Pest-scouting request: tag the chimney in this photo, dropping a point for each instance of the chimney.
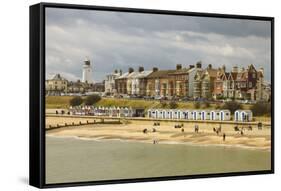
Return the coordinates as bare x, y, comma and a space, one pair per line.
223, 68
210, 66
179, 66
141, 69
199, 64
261, 70
234, 69
131, 70
154, 69
120, 71
191, 66
115, 71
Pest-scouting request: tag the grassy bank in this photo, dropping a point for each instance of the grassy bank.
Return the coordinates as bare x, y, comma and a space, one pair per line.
61, 102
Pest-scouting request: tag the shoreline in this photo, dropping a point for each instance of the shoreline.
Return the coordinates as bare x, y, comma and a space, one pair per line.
105, 139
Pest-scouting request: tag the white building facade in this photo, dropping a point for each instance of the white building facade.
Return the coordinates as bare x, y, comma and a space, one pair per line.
109, 83
87, 72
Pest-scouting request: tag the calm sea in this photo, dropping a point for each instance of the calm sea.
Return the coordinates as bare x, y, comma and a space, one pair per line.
75, 160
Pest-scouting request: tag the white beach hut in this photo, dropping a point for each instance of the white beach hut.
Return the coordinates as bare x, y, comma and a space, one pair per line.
198, 115
224, 115
176, 114
243, 115
215, 114
185, 114
206, 114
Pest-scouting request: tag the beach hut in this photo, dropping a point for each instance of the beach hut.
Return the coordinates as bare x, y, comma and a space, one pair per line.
198, 115
176, 114
160, 114
215, 114
206, 114
191, 115
185, 114
224, 115
243, 115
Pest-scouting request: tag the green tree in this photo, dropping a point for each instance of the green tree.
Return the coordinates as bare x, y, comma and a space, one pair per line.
173, 105
75, 101
206, 104
92, 99
231, 106
196, 105
163, 104
261, 108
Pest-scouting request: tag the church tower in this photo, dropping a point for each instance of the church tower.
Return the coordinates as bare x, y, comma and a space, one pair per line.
87, 71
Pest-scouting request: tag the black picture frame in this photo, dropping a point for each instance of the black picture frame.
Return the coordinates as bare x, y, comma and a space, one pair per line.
37, 94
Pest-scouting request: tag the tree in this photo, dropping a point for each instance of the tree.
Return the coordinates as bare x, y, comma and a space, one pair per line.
206, 104
173, 105
261, 108
232, 106
75, 101
163, 104
92, 99
196, 105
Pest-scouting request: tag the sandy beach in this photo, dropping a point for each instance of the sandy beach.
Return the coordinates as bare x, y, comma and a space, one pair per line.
165, 133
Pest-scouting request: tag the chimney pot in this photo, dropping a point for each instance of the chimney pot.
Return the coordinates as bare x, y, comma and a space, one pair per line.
141, 69
155, 69
131, 70
199, 64
179, 67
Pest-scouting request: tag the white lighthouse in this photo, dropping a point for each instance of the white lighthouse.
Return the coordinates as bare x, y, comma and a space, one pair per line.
87, 72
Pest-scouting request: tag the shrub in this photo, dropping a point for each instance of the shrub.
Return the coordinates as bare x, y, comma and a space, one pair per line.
75, 101
163, 104
232, 106
92, 99
206, 104
173, 105
261, 108
196, 105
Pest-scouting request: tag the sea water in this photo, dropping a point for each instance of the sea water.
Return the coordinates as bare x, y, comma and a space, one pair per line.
76, 160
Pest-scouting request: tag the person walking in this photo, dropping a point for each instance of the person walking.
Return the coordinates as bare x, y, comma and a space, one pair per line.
223, 137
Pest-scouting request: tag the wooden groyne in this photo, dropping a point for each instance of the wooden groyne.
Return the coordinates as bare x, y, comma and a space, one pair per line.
80, 123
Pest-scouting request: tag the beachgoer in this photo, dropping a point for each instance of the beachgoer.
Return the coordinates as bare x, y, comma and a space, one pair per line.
182, 130
241, 132
223, 137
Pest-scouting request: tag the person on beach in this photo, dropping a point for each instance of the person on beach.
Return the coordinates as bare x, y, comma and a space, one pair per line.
196, 128
223, 137
182, 130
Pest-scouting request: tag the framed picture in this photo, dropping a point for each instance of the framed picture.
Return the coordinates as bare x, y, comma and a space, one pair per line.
122, 95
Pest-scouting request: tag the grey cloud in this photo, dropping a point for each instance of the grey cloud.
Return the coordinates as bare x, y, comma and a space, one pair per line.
119, 40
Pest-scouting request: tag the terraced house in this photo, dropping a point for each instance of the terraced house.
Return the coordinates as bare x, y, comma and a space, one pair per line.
209, 83
204, 83
168, 83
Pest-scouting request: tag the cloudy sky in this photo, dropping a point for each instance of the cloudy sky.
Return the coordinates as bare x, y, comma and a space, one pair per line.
116, 40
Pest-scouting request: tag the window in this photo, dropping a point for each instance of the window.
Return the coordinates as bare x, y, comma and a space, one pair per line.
254, 75
250, 84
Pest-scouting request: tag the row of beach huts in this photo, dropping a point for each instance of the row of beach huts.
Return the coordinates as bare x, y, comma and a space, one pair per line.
103, 111
213, 115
